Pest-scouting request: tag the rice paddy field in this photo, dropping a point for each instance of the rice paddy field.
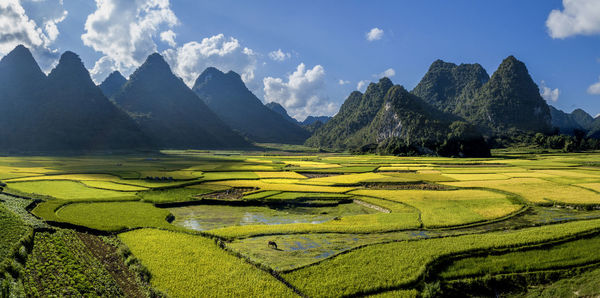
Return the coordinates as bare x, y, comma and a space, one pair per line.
285, 224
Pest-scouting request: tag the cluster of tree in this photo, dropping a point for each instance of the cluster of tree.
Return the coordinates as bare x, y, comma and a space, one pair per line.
463, 140
568, 143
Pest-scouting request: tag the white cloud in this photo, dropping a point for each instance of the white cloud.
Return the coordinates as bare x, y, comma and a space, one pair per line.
577, 17
168, 37
374, 34
191, 59
594, 88
124, 31
390, 72
549, 94
343, 82
302, 94
279, 55
103, 67
361, 85
32, 23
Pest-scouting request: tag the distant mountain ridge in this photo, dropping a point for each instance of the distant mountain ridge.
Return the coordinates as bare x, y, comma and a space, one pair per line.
64, 111
227, 95
112, 84
312, 119
171, 113
448, 113
279, 109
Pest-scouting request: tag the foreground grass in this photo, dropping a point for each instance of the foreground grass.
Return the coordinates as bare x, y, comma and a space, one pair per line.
184, 265
60, 265
11, 231
389, 266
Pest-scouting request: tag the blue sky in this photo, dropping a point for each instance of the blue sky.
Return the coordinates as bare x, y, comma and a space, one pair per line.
324, 49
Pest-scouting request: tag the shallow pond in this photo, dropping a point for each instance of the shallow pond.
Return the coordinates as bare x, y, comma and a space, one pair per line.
207, 217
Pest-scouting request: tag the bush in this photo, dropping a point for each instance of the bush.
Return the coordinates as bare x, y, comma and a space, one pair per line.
431, 290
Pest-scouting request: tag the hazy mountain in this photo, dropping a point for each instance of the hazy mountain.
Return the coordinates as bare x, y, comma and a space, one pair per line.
594, 128
112, 84
312, 119
80, 116
582, 118
395, 121
279, 109
565, 122
227, 95
22, 85
64, 112
170, 113
313, 126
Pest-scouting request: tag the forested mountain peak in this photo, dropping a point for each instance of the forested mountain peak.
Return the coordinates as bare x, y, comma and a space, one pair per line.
450, 87
512, 100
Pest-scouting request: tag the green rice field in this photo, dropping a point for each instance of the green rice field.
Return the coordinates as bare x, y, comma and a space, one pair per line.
285, 224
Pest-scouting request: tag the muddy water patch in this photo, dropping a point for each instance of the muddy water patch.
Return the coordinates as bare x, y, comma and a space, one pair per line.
299, 250
207, 217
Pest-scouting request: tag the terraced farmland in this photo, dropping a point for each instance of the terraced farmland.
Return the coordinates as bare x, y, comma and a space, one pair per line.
191, 223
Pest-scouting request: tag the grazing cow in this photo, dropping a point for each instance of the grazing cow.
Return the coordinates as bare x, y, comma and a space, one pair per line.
337, 218
272, 244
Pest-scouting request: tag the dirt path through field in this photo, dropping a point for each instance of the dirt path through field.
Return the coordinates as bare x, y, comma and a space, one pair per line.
113, 263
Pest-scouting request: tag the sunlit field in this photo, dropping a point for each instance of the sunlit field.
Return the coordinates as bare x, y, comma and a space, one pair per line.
280, 224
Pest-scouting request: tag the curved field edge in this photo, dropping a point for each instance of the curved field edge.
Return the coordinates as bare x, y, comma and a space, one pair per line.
569, 254
586, 284
383, 267
203, 269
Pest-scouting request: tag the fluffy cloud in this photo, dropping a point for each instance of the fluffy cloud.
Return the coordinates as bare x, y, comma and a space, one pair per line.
390, 72
577, 17
343, 82
191, 59
124, 31
302, 94
279, 55
103, 67
32, 23
374, 34
168, 37
361, 85
549, 94
594, 88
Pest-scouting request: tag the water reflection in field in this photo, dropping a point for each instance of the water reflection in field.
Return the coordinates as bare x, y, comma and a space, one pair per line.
207, 217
